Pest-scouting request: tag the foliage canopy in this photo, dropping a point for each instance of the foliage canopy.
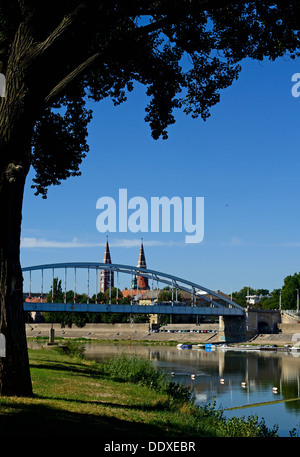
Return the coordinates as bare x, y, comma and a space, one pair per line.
183, 52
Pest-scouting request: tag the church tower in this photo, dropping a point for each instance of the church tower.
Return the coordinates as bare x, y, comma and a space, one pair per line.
142, 282
106, 276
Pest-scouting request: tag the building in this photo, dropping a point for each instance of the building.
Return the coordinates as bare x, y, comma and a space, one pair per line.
106, 276
138, 282
142, 282
254, 299
35, 316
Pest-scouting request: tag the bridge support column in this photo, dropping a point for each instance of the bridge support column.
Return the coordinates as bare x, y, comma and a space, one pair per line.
232, 329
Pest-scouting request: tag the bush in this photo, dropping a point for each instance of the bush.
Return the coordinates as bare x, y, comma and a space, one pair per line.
236, 426
134, 369
142, 371
72, 348
178, 392
249, 427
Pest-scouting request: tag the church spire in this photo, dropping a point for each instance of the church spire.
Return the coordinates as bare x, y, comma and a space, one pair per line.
106, 258
142, 258
142, 282
106, 276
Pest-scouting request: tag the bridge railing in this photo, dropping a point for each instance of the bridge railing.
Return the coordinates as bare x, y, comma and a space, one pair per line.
200, 296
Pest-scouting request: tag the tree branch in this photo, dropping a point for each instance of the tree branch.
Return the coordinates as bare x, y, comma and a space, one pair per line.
80, 69
62, 28
71, 76
133, 34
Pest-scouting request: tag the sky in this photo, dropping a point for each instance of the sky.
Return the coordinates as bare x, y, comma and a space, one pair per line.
244, 160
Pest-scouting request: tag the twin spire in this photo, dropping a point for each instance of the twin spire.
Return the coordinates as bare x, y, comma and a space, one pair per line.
106, 258
141, 281
107, 276
142, 259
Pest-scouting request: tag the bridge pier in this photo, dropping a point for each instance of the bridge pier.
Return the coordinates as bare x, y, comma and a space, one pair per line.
232, 329
262, 321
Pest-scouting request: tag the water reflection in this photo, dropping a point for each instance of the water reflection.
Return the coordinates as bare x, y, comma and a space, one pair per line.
232, 378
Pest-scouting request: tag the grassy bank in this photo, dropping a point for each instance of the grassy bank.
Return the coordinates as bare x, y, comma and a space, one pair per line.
120, 342
126, 397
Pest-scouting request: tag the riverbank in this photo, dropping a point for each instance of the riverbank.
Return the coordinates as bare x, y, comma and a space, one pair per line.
74, 397
176, 333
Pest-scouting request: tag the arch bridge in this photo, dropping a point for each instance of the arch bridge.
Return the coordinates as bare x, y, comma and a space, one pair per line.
203, 300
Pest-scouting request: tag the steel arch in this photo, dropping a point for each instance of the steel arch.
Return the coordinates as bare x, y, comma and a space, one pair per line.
174, 281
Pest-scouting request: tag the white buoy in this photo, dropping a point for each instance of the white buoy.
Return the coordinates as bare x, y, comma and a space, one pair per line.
172, 373
222, 380
243, 384
192, 376
275, 389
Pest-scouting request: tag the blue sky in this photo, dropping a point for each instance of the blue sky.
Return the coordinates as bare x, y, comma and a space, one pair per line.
244, 160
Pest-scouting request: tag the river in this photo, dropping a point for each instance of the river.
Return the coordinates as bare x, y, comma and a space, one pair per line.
230, 377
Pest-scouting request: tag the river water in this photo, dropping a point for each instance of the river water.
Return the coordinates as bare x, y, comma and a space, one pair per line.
230, 377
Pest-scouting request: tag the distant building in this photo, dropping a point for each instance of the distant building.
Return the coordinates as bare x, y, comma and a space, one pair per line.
142, 282
35, 316
35, 298
106, 276
138, 282
254, 299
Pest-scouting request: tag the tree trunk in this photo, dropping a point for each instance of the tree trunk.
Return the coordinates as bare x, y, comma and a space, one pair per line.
18, 110
14, 367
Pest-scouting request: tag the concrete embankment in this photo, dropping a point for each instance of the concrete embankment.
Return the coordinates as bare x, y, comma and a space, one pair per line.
171, 332
138, 332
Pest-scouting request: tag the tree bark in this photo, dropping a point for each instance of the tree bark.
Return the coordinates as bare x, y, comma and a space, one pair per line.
14, 367
19, 110
16, 127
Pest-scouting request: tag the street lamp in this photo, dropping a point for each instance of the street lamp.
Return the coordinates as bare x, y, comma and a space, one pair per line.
280, 300
297, 300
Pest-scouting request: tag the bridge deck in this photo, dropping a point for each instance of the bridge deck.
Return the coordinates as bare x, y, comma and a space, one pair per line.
215, 302
131, 309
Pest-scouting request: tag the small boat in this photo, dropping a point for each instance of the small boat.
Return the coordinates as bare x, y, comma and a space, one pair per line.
186, 346
209, 347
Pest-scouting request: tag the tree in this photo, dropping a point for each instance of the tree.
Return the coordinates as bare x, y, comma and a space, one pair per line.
265, 301
240, 297
112, 294
262, 292
166, 294
55, 54
55, 294
289, 291
272, 301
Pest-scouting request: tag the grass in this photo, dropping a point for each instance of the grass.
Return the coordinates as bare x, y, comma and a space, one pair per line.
124, 397
74, 396
43, 339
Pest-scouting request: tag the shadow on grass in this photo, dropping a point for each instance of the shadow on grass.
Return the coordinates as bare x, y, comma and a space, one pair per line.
71, 367
159, 406
44, 421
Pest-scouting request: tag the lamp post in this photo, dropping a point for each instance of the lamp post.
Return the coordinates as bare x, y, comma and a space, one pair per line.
297, 300
280, 300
